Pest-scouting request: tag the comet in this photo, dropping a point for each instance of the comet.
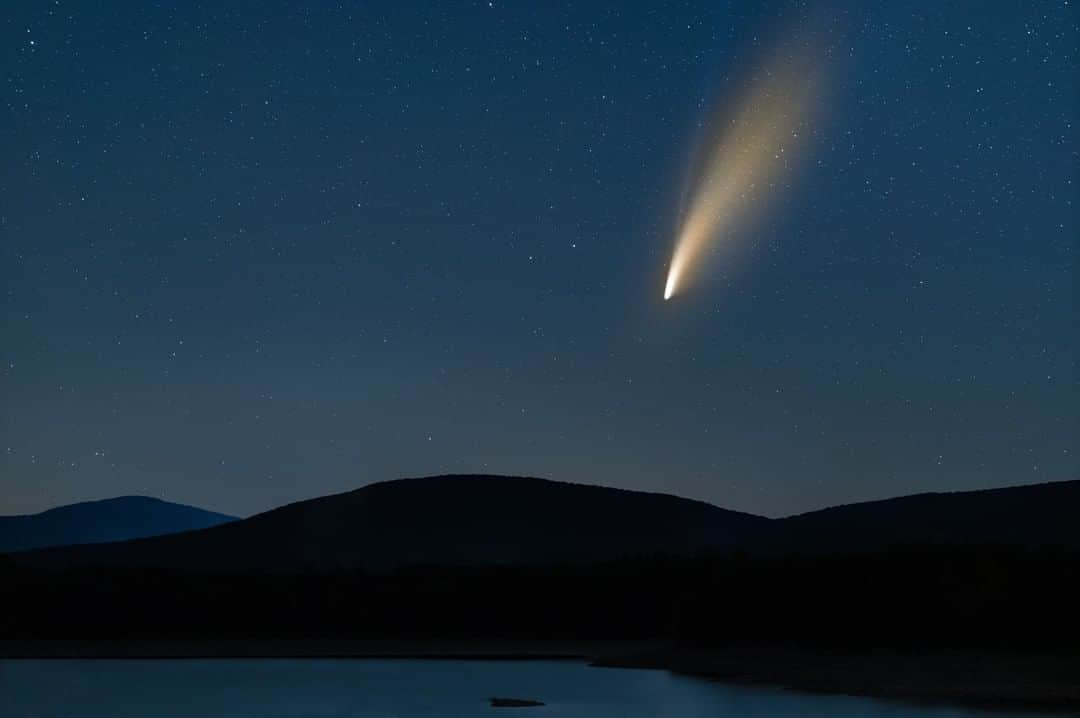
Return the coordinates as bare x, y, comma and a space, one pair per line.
743, 160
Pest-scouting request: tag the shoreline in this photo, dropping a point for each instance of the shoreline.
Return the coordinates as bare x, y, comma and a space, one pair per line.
999, 680
985, 679
167, 649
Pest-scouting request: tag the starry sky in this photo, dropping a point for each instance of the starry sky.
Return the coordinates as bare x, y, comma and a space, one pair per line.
256, 254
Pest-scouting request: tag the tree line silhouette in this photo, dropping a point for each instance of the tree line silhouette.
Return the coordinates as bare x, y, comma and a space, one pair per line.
919, 596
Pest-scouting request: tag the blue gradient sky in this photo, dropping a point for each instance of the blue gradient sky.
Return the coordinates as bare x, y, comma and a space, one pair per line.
255, 255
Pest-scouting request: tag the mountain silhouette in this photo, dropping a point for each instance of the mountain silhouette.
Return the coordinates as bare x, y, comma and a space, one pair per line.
118, 519
1033, 515
446, 520
498, 520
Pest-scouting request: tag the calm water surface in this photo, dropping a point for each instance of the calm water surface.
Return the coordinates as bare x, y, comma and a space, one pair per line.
277, 688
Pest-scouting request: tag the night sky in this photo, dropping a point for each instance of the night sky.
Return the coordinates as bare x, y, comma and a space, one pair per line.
256, 255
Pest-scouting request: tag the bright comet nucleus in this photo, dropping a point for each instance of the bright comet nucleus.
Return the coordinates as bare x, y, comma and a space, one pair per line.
742, 160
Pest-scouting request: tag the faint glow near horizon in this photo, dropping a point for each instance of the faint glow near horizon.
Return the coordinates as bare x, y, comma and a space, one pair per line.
742, 161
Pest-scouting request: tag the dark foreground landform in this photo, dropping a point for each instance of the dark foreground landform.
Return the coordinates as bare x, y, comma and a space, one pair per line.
989, 625
919, 597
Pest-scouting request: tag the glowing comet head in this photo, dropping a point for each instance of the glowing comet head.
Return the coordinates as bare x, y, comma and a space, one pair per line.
741, 161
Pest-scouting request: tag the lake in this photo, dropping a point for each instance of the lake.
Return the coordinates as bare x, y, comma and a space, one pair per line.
328, 688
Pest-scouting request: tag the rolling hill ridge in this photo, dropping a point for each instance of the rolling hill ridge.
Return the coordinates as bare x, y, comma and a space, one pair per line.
498, 520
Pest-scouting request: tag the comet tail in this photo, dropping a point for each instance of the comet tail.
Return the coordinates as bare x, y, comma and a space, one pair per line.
742, 163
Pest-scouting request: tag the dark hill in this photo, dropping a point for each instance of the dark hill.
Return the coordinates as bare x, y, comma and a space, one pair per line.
441, 520
1031, 516
118, 519
494, 520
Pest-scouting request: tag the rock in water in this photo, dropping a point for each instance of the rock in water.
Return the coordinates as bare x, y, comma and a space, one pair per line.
514, 703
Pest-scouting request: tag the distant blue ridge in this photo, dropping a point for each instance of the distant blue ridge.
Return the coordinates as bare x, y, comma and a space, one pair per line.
118, 519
